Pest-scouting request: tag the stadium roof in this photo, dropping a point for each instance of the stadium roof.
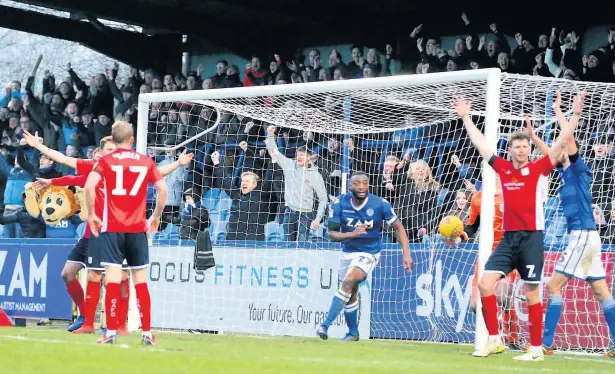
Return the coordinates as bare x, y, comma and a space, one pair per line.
247, 26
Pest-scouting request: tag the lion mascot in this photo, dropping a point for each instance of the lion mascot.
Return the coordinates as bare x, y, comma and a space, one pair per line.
55, 204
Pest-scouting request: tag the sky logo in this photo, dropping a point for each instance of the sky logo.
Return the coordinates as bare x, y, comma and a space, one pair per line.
443, 297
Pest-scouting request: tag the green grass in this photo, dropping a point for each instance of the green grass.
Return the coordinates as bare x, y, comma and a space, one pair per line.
44, 351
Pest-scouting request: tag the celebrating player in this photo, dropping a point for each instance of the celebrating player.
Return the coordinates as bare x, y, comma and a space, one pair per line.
582, 257
122, 231
521, 247
85, 323
503, 288
77, 258
356, 220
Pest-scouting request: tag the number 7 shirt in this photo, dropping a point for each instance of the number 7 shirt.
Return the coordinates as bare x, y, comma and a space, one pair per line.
125, 175
523, 191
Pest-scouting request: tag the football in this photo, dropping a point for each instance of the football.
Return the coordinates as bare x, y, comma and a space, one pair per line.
451, 227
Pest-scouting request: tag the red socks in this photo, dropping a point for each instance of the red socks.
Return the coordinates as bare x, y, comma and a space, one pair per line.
122, 307
490, 314
111, 305
145, 306
535, 319
92, 296
76, 293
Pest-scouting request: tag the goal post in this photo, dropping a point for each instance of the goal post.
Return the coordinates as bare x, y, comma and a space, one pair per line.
486, 233
404, 133
492, 77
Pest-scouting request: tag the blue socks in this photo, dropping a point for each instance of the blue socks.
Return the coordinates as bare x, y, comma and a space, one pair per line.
608, 308
351, 314
337, 304
554, 311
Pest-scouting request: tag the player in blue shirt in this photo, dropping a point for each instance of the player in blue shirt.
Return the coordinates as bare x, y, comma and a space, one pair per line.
356, 220
582, 257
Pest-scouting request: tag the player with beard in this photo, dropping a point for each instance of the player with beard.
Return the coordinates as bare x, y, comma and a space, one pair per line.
521, 248
356, 220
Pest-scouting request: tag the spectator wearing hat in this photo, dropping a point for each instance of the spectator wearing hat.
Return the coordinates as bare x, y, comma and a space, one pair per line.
102, 128
88, 136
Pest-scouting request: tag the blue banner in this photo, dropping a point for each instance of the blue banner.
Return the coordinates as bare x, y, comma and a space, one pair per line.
432, 302
30, 282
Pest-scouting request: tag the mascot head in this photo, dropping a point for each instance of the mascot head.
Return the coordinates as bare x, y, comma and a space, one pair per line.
57, 203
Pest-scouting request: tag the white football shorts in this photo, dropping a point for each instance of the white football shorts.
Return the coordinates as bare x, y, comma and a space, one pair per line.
364, 261
582, 257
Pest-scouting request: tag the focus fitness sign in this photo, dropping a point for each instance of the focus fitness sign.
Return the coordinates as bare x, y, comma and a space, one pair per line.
260, 290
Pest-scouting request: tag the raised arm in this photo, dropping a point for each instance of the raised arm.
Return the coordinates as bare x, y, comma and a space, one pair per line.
183, 160
462, 107
567, 127
272, 148
34, 142
24, 163
542, 146
574, 121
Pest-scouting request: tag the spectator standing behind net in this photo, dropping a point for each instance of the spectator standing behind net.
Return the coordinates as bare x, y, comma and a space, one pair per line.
175, 181
195, 218
250, 210
301, 182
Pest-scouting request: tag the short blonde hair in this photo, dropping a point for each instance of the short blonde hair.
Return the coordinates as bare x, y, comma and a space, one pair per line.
104, 141
391, 158
252, 174
121, 132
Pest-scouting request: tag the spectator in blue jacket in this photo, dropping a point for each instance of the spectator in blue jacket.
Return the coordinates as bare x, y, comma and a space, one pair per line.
16, 180
14, 91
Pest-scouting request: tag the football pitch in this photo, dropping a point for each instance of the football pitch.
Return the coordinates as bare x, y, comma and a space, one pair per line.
36, 350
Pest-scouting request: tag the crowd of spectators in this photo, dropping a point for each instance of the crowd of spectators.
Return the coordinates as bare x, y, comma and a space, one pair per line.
251, 180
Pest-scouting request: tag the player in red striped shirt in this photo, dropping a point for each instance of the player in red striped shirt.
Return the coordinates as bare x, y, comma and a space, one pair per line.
523, 190
122, 229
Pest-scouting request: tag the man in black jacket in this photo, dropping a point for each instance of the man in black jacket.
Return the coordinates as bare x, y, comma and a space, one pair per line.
30, 226
249, 212
46, 167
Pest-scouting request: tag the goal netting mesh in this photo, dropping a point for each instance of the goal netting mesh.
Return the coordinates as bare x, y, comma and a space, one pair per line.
265, 203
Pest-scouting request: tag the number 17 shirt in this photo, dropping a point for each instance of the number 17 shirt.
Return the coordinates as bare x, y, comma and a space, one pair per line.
125, 175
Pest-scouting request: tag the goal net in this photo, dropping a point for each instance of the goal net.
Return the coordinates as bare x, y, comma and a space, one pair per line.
264, 200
